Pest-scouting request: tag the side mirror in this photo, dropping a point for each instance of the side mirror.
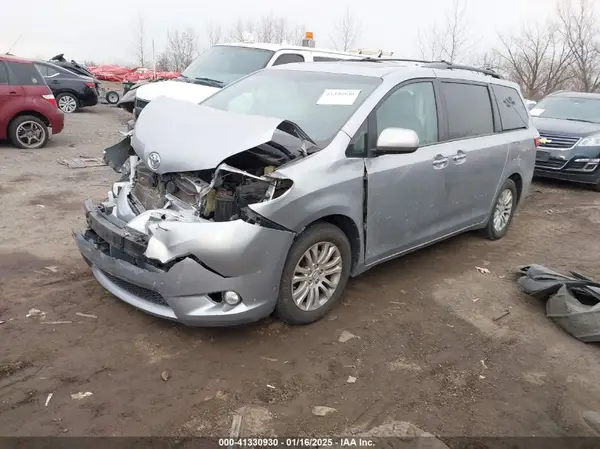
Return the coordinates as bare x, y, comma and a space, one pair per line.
397, 141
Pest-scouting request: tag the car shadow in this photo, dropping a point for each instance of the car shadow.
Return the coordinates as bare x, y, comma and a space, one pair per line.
560, 184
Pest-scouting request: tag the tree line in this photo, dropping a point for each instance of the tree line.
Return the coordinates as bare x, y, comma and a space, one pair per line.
562, 52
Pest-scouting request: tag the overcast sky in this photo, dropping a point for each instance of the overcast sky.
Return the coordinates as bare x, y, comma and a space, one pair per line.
48, 27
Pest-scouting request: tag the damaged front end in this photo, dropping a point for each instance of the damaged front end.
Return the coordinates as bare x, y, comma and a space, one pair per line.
175, 229
220, 194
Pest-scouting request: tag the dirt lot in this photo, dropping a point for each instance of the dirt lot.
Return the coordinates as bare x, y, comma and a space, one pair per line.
427, 349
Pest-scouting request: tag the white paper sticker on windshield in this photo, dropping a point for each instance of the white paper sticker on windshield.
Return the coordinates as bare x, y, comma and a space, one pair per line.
341, 97
536, 111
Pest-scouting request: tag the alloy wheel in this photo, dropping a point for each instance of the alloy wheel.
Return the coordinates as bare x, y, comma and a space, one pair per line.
316, 276
30, 134
503, 210
67, 104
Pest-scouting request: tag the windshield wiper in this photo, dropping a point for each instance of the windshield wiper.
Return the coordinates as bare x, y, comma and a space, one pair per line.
581, 120
210, 82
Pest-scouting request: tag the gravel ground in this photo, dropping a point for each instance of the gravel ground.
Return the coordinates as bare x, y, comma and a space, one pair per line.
427, 349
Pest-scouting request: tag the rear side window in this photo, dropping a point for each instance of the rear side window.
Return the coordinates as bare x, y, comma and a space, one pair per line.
513, 114
469, 110
325, 58
25, 74
43, 69
288, 59
3, 74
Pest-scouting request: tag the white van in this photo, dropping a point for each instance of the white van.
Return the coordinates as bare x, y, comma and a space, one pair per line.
223, 64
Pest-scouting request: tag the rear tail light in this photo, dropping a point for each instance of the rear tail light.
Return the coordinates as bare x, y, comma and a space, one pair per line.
92, 85
536, 140
50, 98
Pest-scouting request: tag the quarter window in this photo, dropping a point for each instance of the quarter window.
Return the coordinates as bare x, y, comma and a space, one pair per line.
26, 74
3, 74
469, 110
513, 114
288, 58
43, 69
358, 145
411, 107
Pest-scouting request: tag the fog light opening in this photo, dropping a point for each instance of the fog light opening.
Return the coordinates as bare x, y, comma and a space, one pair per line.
231, 298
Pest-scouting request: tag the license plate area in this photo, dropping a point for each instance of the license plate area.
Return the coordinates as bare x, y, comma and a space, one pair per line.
542, 156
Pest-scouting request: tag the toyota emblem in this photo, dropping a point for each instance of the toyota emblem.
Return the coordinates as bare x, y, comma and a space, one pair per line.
153, 160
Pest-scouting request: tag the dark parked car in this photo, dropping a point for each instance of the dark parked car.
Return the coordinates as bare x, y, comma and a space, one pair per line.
72, 91
569, 126
28, 112
73, 66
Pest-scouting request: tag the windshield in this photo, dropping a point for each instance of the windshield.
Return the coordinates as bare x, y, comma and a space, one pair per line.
319, 103
224, 64
568, 108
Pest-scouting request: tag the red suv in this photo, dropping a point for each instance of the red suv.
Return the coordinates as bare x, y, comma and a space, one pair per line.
28, 112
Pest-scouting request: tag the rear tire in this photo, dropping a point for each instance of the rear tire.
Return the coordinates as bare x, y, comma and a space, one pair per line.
503, 212
321, 249
28, 132
68, 103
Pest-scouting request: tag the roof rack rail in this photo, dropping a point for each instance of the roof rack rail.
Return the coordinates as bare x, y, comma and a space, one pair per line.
451, 66
438, 65
383, 59
376, 53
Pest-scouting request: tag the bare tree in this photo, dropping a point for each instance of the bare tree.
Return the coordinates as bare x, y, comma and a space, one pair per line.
492, 60
163, 63
214, 33
140, 42
581, 32
538, 59
347, 32
268, 28
182, 48
450, 41
236, 33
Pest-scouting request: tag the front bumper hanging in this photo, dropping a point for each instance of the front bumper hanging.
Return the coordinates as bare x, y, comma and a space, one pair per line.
186, 290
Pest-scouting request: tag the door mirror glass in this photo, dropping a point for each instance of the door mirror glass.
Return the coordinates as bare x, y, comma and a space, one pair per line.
397, 140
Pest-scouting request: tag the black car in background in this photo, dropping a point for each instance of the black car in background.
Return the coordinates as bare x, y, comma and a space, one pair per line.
569, 127
71, 90
72, 66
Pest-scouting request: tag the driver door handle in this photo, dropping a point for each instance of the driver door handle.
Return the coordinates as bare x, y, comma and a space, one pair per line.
460, 157
440, 161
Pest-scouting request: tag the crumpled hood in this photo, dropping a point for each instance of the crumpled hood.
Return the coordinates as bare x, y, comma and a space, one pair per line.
190, 137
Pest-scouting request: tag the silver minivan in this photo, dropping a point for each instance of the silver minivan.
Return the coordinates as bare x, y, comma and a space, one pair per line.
270, 194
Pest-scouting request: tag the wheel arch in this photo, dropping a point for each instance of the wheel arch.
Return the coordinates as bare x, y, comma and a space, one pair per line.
518, 180
349, 227
69, 91
37, 114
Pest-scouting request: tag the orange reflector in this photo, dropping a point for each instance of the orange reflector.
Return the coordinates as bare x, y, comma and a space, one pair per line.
308, 35
537, 141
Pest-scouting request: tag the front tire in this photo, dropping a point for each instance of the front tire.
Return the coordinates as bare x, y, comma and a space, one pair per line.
503, 211
314, 275
28, 132
67, 103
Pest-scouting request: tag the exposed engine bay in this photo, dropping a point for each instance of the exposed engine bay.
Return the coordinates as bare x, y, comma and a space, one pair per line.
219, 194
